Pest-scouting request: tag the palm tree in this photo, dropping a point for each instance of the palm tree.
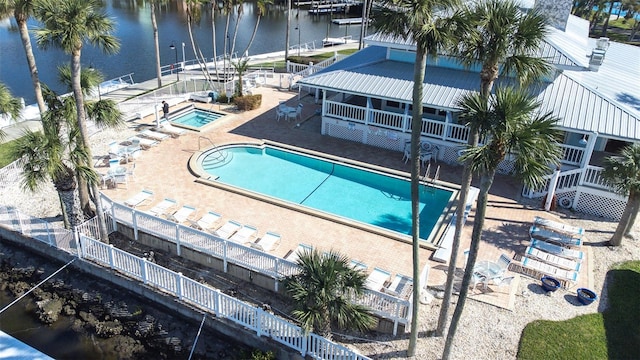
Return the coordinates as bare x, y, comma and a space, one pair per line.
154, 24
416, 19
9, 104
240, 67
622, 172
511, 124
501, 39
22, 11
323, 293
261, 6
55, 154
68, 25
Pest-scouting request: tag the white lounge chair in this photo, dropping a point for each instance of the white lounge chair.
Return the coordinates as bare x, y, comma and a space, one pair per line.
244, 235
557, 250
162, 207
268, 242
554, 237
167, 128
554, 260
139, 198
150, 134
400, 286
207, 221
377, 279
182, 214
294, 255
573, 231
538, 268
228, 229
143, 142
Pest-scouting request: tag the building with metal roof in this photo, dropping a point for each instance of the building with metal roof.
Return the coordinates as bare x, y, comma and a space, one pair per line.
593, 91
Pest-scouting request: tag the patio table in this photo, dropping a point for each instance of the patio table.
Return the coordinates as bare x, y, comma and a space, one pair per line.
489, 270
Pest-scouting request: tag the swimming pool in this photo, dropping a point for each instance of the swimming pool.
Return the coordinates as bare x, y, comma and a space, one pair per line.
330, 186
193, 118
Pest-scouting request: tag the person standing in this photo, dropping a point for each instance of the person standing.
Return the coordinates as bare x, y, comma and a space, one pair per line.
165, 109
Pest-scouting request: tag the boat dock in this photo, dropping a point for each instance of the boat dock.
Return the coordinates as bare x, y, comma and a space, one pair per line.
347, 21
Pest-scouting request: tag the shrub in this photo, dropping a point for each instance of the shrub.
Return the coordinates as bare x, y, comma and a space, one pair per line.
223, 98
248, 102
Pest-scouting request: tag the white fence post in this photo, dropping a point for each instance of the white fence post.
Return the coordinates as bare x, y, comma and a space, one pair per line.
143, 270
216, 302
178, 239
259, 314
134, 217
179, 285
111, 264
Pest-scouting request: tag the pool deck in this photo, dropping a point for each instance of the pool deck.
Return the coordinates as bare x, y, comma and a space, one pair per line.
163, 169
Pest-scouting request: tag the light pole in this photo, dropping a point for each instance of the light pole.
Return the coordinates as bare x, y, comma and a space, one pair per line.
91, 68
174, 48
182, 65
299, 45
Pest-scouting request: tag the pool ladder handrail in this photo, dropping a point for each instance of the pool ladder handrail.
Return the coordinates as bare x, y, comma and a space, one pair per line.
221, 156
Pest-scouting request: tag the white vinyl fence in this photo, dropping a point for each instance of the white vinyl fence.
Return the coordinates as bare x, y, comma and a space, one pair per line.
383, 305
185, 289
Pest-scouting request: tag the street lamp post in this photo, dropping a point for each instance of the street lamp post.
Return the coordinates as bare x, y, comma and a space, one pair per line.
299, 44
182, 66
174, 48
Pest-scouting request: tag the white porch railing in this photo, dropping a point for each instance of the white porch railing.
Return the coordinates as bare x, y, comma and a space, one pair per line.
10, 174
570, 180
382, 304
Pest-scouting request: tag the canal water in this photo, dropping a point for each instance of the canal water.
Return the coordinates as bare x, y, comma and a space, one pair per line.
137, 54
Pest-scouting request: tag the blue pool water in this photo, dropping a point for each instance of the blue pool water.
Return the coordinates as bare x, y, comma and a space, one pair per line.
354, 193
196, 118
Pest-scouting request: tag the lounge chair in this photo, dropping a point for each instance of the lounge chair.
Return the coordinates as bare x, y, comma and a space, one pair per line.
182, 214
167, 128
154, 135
207, 221
557, 250
244, 235
573, 231
139, 198
143, 142
554, 260
268, 242
227, 230
377, 279
554, 237
294, 255
400, 286
162, 207
538, 268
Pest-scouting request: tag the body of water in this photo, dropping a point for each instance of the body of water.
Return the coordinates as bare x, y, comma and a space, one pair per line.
137, 54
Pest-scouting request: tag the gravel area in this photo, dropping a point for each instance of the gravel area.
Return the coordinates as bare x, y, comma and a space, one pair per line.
485, 331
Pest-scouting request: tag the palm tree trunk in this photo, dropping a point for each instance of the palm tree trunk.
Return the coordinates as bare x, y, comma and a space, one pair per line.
71, 207
605, 26
213, 35
632, 220
625, 220
84, 134
286, 35
31, 61
486, 180
154, 24
416, 130
235, 30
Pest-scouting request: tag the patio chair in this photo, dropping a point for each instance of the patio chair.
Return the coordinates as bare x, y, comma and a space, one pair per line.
554, 260
227, 230
268, 242
557, 250
400, 286
162, 207
154, 135
377, 279
144, 143
182, 214
554, 237
573, 231
504, 261
244, 235
294, 115
139, 198
536, 268
167, 128
280, 113
294, 254
207, 221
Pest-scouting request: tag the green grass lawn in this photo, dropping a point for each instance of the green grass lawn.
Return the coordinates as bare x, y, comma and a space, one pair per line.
614, 334
304, 59
5, 153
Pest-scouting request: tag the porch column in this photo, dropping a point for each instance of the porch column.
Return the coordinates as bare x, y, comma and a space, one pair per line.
405, 120
448, 120
367, 111
588, 150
